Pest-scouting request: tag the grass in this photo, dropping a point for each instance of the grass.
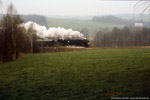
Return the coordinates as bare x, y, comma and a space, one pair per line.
78, 75
80, 24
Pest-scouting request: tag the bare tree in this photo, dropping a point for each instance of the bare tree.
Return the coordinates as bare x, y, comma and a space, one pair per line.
30, 34
33, 37
12, 36
11, 11
85, 32
123, 37
145, 4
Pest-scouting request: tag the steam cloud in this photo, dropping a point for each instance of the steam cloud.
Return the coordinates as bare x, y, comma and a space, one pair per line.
54, 33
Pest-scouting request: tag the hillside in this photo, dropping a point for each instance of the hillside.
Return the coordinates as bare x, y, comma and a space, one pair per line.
41, 20
112, 20
124, 20
82, 75
79, 24
136, 17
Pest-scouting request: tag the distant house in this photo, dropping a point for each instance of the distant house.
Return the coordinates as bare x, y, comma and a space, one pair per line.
139, 25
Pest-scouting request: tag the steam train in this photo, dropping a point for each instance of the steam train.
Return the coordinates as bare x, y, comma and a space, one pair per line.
60, 42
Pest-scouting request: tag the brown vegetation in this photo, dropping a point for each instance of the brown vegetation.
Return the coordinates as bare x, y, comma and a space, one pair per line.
126, 37
14, 39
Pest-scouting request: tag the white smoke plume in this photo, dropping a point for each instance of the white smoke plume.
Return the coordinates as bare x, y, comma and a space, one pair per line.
54, 33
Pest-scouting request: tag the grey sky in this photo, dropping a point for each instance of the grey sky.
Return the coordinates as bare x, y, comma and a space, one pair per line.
73, 7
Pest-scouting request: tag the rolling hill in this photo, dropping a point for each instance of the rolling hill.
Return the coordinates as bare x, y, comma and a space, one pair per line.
41, 20
116, 20
112, 20
77, 24
136, 17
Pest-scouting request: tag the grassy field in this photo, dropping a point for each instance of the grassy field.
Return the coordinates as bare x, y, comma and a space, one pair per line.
79, 24
78, 75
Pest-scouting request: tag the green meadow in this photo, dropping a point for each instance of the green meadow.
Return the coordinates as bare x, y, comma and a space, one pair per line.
77, 75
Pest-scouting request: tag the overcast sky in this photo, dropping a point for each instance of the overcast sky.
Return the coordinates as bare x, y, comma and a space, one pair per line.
72, 7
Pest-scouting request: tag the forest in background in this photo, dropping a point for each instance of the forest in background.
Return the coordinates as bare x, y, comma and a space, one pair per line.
125, 37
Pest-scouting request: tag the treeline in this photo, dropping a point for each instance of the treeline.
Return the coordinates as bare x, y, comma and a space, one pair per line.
85, 32
116, 20
14, 39
112, 20
41, 20
124, 37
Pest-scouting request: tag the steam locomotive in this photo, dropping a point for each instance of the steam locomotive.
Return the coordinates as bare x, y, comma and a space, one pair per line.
60, 42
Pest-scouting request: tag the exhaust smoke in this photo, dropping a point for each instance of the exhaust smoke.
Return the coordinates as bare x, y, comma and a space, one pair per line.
54, 33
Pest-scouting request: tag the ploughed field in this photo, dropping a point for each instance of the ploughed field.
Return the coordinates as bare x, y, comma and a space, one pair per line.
77, 75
